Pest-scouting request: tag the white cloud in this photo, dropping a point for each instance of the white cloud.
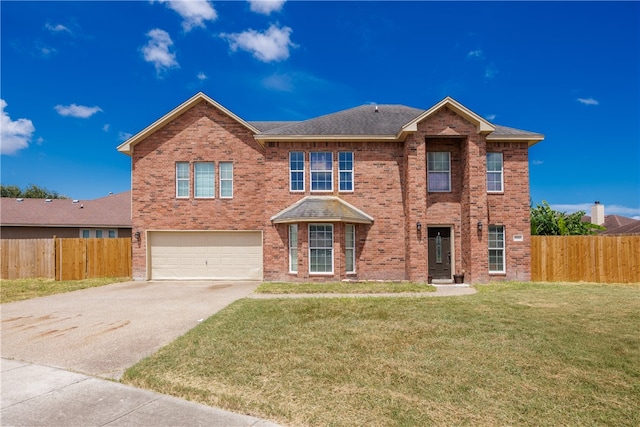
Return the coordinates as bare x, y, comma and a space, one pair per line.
491, 117
193, 13
588, 101
158, 50
14, 135
57, 28
272, 45
106, 127
537, 162
79, 111
475, 54
490, 72
123, 136
265, 7
279, 82
202, 76
608, 209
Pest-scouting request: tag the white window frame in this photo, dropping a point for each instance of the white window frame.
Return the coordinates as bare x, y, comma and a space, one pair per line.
207, 177
293, 248
313, 247
345, 172
112, 231
430, 160
495, 248
350, 248
182, 179
323, 171
226, 176
297, 171
499, 172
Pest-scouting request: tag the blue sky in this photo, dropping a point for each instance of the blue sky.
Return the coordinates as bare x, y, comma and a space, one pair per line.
78, 78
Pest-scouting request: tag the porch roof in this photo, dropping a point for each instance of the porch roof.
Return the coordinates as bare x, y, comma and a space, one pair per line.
321, 209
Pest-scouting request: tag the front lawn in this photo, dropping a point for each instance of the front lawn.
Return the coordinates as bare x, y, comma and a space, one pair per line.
343, 288
20, 289
512, 354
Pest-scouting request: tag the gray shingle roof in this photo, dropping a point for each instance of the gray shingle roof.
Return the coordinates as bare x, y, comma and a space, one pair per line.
321, 208
507, 131
362, 120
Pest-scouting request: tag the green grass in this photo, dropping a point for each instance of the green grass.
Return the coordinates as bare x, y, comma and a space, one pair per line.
21, 289
512, 354
343, 288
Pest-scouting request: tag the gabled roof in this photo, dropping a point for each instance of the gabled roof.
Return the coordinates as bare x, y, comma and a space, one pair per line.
482, 125
617, 225
321, 209
127, 146
110, 211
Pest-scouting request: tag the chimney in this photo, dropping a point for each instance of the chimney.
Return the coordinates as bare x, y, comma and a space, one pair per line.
597, 213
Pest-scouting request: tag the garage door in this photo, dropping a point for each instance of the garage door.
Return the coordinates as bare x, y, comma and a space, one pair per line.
205, 255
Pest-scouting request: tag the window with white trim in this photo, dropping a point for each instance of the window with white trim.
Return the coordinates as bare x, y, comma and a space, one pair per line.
85, 234
495, 173
439, 171
320, 248
350, 248
345, 169
296, 171
226, 180
99, 234
204, 179
182, 179
496, 249
321, 171
112, 234
293, 248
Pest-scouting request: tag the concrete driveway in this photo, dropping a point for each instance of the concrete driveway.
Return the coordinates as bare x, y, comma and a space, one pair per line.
102, 331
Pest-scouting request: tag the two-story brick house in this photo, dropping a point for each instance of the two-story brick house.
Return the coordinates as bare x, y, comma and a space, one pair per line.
373, 192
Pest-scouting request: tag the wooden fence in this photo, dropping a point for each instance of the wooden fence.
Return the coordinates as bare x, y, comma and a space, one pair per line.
65, 259
601, 259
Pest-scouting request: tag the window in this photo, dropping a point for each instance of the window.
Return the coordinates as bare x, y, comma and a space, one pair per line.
320, 248
496, 249
204, 181
439, 171
293, 248
226, 180
350, 248
112, 234
296, 171
345, 167
321, 172
85, 234
494, 172
99, 234
182, 179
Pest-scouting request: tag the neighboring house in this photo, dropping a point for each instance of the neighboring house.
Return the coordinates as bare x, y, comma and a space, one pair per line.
376, 192
108, 216
613, 224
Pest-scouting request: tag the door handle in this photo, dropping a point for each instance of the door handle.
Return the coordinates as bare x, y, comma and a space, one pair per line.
449, 257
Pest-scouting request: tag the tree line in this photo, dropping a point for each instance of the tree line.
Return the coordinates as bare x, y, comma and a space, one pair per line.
32, 191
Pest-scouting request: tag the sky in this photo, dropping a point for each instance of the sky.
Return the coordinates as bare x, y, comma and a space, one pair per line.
78, 78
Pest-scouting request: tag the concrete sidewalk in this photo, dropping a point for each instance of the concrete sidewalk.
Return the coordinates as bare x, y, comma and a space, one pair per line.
36, 395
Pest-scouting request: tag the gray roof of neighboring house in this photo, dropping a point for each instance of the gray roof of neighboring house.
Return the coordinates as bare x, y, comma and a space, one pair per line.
110, 211
368, 119
321, 208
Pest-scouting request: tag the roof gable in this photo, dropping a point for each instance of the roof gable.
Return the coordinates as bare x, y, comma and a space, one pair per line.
127, 146
481, 124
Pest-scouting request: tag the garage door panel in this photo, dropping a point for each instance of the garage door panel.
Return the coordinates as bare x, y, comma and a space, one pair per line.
218, 255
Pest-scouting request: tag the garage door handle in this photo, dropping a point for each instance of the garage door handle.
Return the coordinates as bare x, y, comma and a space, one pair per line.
206, 262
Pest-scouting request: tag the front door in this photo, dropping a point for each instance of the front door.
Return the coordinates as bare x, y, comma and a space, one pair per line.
439, 248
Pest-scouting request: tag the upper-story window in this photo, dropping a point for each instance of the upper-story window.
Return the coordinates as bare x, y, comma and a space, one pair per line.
345, 169
182, 179
439, 171
226, 180
321, 171
204, 181
495, 175
296, 171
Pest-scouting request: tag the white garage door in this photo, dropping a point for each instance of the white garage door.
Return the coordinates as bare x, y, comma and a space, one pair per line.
202, 255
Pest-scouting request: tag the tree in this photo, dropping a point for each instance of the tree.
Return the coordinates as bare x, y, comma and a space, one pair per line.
31, 192
548, 222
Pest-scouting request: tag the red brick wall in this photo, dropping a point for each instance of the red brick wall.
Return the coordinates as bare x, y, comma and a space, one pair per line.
390, 182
